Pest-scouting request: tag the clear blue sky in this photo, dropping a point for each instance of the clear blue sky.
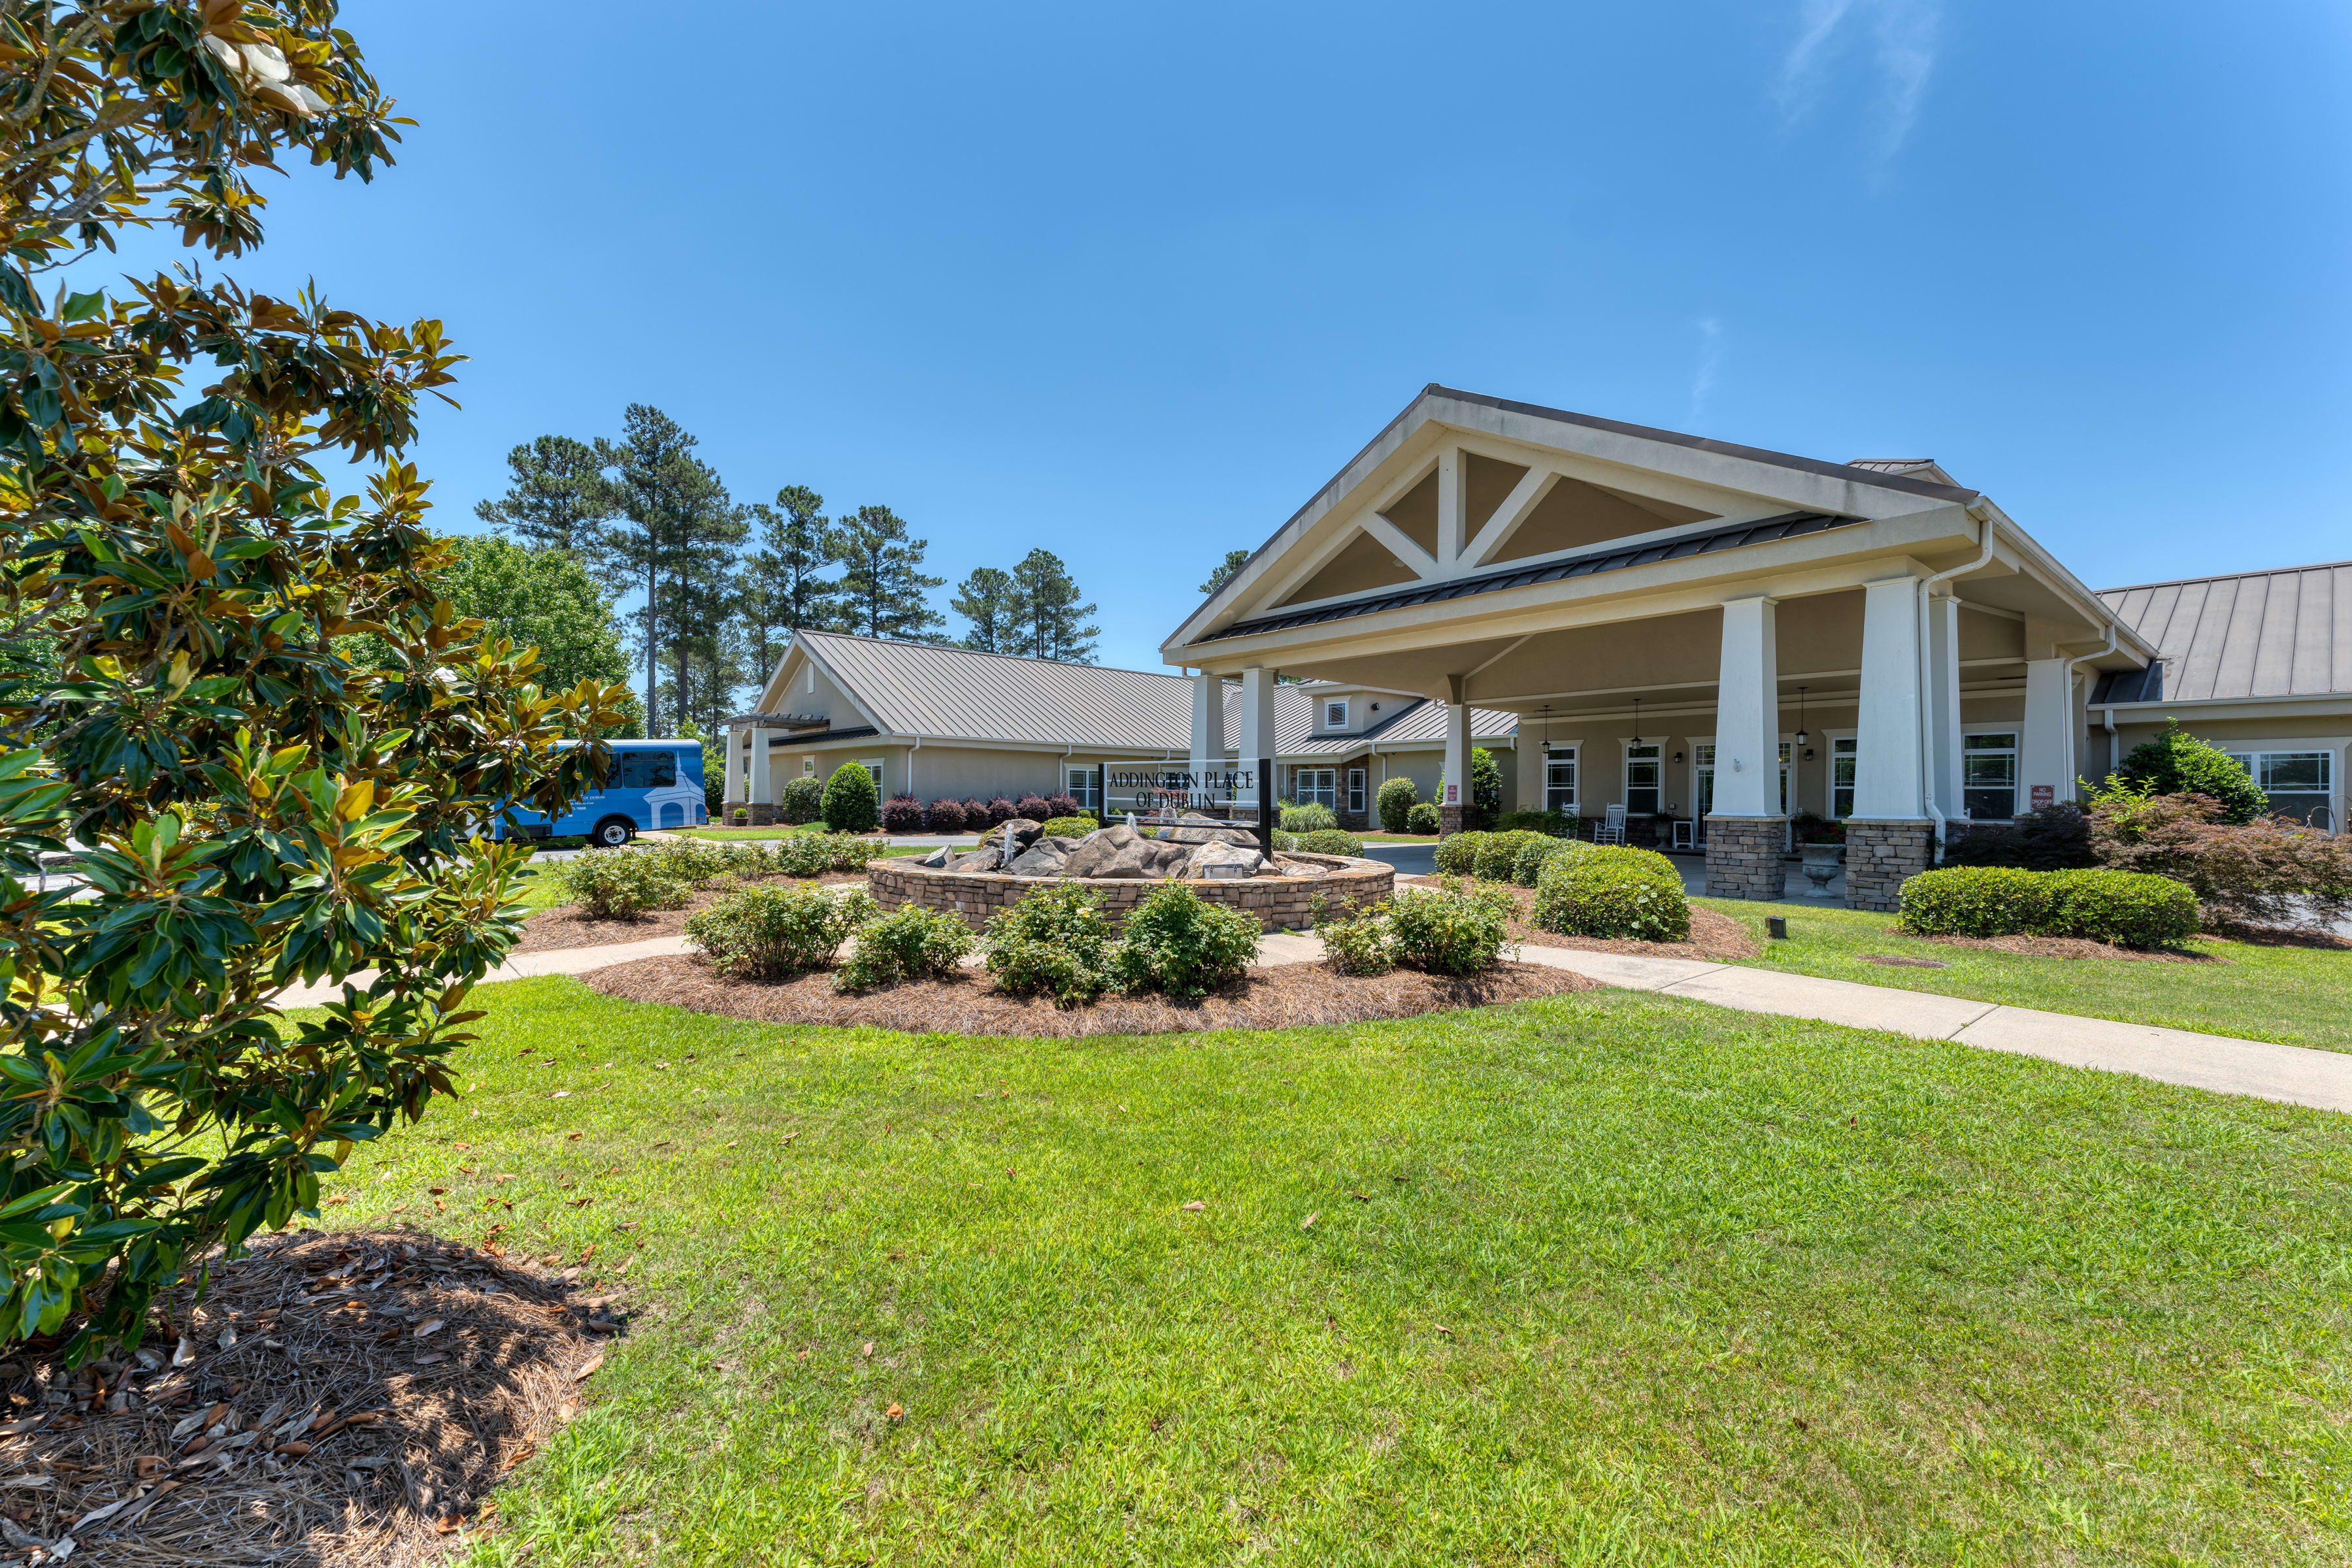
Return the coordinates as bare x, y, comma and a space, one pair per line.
1131, 282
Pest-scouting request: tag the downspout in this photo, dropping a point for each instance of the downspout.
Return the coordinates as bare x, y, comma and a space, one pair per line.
910, 767
2072, 666
1924, 667
2115, 741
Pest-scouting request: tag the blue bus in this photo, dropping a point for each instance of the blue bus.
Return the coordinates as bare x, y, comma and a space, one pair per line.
651, 784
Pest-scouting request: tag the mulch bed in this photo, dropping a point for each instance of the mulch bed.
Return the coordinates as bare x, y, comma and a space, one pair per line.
566, 926
1282, 997
1714, 938
339, 1397
2068, 947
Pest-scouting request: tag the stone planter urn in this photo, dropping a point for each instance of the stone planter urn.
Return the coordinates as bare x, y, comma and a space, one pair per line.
1822, 864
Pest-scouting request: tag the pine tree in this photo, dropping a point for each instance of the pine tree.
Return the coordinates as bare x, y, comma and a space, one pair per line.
882, 580
671, 529
1051, 615
1234, 560
989, 600
555, 498
783, 588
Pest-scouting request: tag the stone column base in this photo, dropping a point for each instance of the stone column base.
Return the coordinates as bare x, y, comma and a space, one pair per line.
761, 816
1449, 818
1744, 857
1879, 855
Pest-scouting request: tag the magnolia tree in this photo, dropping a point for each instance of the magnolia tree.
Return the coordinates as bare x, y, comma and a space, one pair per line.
249, 804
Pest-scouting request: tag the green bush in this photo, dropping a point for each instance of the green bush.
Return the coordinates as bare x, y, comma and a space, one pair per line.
910, 942
611, 883
1069, 826
1363, 944
813, 855
2132, 908
1423, 818
1497, 857
852, 805
1456, 930
803, 801
1394, 805
1331, 841
1177, 942
1311, 818
1528, 869
2176, 763
1612, 892
768, 930
1457, 854
1552, 823
1054, 941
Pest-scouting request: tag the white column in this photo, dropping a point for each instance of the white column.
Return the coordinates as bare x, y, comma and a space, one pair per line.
1456, 789
2044, 758
1208, 725
1453, 502
732, 794
1257, 728
763, 790
1748, 712
1944, 704
1889, 783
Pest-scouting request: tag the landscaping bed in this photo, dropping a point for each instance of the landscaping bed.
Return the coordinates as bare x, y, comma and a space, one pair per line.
363, 1392
1282, 997
2077, 947
569, 926
1715, 938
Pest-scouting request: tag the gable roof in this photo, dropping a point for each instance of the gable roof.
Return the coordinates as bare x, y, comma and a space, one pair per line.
935, 691
2252, 634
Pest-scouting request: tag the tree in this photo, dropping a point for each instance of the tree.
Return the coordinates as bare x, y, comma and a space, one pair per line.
1233, 561
785, 589
542, 598
882, 580
555, 499
246, 808
990, 601
2175, 762
672, 528
1051, 615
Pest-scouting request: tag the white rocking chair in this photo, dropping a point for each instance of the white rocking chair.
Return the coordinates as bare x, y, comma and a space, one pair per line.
1611, 829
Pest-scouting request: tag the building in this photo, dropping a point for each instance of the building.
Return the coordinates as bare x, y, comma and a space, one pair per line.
933, 721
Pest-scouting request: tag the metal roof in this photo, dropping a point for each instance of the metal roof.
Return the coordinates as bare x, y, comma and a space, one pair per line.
1788, 525
2285, 634
940, 692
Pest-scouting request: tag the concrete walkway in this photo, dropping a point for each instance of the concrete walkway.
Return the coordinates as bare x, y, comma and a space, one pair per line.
2294, 1075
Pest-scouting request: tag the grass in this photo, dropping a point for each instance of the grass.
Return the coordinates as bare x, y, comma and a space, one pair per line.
2295, 996
1631, 1281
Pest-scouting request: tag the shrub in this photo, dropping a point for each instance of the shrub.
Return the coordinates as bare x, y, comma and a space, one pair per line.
2267, 873
1331, 841
1552, 823
1813, 827
1486, 801
608, 885
902, 814
1498, 855
1001, 810
766, 931
1528, 869
944, 817
910, 942
1975, 901
1453, 930
1457, 854
850, 804
2176, 763
803, 801
1614, 892
1423, 818
813, 855
2131, 908
1055, 941
1394, 805
1311, 818
1364, 944
1178, 942
2056, 837
1036, 808
1065, 806
1068, 827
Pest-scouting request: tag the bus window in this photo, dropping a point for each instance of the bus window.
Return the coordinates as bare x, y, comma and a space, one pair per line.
643, 770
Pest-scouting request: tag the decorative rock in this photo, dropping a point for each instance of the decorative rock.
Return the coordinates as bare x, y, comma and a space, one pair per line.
1208, 831
1025, 832
1225, 860
978, 860
937, 858
1045, 858
1121, 855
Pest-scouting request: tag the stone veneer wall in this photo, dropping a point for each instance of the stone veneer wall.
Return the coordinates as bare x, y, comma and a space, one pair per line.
1879, 855
1278, 902
1744, 857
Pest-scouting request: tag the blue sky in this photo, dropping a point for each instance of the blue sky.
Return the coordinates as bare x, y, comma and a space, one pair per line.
1130, 283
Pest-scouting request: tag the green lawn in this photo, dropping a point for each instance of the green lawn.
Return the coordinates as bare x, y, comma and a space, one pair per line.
733, 835
1615, 1278
2297, 996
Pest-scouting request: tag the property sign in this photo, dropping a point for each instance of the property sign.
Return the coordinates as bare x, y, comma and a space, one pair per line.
2044, 794
1160, 793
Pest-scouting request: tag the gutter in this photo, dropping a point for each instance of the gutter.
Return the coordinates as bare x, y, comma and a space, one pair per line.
1926, 751
2074, 667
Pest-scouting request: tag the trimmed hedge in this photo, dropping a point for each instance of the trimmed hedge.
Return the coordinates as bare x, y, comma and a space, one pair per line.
1528, 869
944, 817
1423, 818
801, 800
1612, 892
1331, 841
851, 804
1068, 827
2132, 909
902, 814
1394, 805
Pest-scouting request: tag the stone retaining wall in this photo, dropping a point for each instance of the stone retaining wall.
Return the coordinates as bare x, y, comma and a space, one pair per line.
1278, 902
1879, 855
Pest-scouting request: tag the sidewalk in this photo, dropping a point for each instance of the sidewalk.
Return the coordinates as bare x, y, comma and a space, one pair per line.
2292, 1074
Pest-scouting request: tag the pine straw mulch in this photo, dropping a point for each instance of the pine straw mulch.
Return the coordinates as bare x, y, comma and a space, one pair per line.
338, 1398
1284, 996
568, 926
2066, 947
1715, 938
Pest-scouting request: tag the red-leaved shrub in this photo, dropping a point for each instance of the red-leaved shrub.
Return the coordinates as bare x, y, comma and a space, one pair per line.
1034, 807
2268, 872
902, 814
945, 816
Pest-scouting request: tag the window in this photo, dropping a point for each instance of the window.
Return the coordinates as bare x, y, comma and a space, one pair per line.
1080, 783
1559, 782
645, 770
1314, 787
1645, 774
1356, 791
1842, 754
1335, 714
1703, 779
1988, 777
2300, 784
873, 766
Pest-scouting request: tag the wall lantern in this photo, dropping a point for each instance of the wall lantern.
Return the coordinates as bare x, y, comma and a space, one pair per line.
1678, 757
